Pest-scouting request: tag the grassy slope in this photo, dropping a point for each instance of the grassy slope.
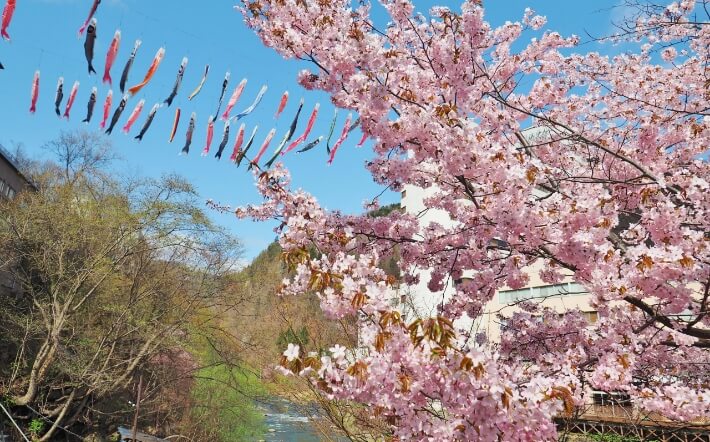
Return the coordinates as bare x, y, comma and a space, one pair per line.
229, 394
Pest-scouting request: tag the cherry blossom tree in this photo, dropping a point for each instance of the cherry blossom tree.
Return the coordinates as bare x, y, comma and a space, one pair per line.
613, 191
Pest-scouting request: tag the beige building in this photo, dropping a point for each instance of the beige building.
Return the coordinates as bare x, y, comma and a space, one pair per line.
419, 301
602, 412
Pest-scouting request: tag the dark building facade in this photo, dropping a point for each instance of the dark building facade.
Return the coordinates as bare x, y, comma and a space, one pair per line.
12, 180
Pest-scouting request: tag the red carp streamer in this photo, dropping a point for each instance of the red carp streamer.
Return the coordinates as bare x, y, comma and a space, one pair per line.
175, 125
304, 135
151, 71
92, 11
343, 136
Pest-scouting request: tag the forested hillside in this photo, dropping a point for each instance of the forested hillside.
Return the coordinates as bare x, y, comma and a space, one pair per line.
266, 322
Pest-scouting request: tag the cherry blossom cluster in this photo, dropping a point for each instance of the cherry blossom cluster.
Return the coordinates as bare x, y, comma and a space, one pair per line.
582, 164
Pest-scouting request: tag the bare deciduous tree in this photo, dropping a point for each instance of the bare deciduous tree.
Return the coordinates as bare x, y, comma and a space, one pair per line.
111, 278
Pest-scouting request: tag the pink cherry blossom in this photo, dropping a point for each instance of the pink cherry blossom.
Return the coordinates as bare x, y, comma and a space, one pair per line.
548, 161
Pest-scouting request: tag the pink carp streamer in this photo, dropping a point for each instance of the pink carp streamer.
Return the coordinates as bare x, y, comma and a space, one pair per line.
70, 101
234, 98
282, 105
362, 140
264, 146
210, 134
134, 116
107, 108
304, 135
343, 136
111, 56
35, 92
237, 144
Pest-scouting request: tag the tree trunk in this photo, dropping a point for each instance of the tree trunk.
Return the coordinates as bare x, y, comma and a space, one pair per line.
45, 355
60, 418
78, 410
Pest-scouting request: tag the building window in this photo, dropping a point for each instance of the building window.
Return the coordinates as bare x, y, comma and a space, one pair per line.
618, 398
591, 317
545, 291
495, 243
459, 281
6, 191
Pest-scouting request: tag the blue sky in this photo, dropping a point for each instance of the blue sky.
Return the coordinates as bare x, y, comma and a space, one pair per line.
44, 37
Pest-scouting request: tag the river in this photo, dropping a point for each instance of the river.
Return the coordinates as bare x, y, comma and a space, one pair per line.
287, 422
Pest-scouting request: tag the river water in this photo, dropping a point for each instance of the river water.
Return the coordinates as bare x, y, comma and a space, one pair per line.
287, 422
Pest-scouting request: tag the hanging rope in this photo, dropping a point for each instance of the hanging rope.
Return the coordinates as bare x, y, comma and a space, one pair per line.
51, 422
13, 422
